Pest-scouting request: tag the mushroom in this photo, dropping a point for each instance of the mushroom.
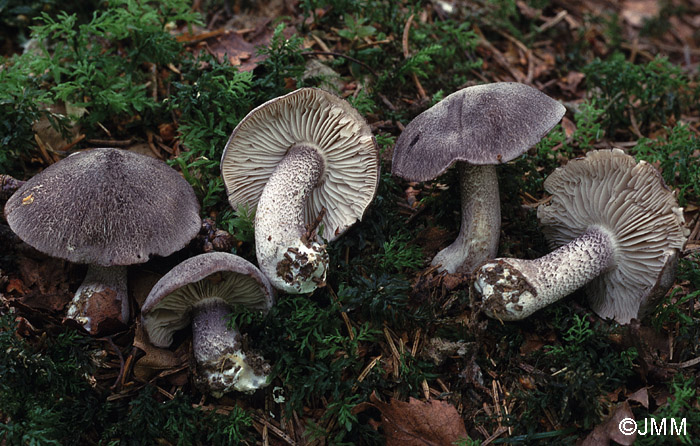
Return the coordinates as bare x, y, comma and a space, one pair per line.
295, 158
107, 208
205, 289
476, 127
617, 229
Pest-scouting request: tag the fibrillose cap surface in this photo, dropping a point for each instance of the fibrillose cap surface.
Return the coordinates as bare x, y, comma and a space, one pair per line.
630, 199
481, 125
216, 275
318, 119
107, 207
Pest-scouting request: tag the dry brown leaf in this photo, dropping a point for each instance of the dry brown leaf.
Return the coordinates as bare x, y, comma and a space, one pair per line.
635, 12
641, 396
419, 423
155, 359
571, 82
568, 126
234, 48
610, 429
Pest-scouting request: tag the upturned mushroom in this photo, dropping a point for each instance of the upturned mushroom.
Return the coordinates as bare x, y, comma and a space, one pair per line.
204, 290
107, 208
477, 127
295, 158
615, 228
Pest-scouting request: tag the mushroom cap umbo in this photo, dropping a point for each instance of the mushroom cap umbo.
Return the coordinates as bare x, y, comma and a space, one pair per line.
318, 119
214, 275
106, 207
630, 199
481, 125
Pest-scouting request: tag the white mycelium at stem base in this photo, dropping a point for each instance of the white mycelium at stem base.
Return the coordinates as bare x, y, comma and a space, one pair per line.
481, 220
512, 289
289, 262
221, 362
110, 281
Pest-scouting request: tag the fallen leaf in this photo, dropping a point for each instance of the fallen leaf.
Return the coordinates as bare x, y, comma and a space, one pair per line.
636, 12
438, 349
15, 285
155, 359
619, 427
571, 82
167, 131
418, 423
45, 282
641, 396
52, 137
236, 50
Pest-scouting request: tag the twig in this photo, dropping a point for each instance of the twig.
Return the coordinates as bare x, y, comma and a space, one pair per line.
365, 372
104, 129
42, 149
394, 350
500, 431
686, 364
121, 362
635, 126
275, 430
111, 142
500, 58
70, 145
311, 227
8, 185
528, 55
343, 314
152, 146
387, 102
345, 56
553, 21
406, 55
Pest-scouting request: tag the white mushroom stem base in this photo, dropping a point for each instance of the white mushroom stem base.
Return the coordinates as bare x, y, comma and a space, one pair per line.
512, 289
102, 295
291, 263
222, 365
481, 221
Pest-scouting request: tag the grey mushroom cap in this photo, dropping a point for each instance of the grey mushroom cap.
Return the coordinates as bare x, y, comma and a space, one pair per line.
314, 118
107, 207
610, 189
215, 275
481, 125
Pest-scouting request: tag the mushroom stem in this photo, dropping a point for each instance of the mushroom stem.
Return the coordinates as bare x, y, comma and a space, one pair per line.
221, 362
481, 219
103, 288
290, 262
512, 289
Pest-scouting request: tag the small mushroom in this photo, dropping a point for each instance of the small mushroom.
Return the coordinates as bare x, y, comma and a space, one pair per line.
295, 158
107, 208
205, 289
476, 127
617, 229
